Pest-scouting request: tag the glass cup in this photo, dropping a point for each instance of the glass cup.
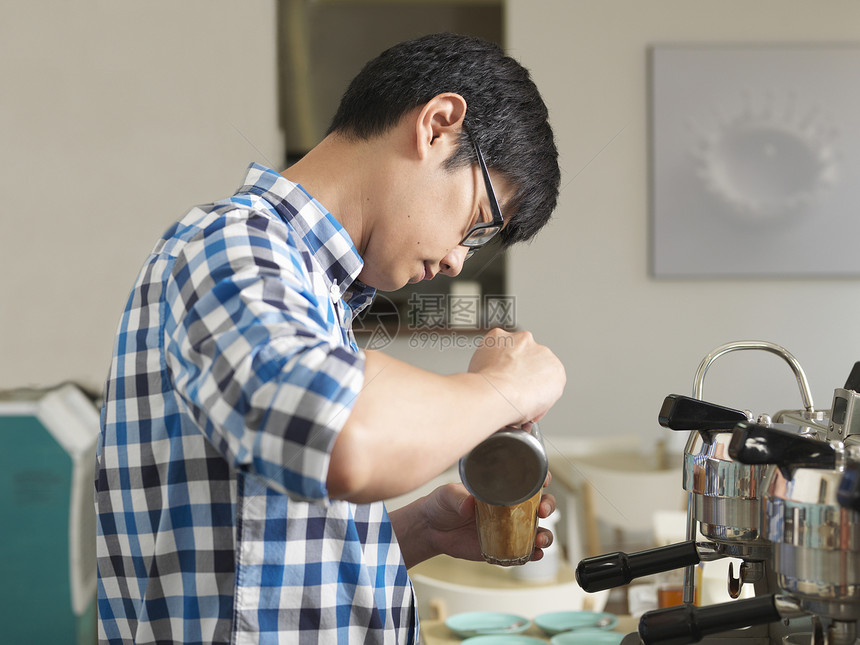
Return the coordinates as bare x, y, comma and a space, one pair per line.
670, 588
505, 473
506, 534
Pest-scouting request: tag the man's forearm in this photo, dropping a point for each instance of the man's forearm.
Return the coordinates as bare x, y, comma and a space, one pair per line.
408, 425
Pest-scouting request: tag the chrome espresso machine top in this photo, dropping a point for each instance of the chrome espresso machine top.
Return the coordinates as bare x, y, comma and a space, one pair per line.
766, 490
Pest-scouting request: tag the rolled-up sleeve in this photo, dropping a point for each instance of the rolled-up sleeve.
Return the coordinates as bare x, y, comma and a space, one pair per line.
250, 351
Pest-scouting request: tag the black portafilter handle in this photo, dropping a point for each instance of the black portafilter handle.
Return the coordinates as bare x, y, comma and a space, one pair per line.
848, 494
689, 624
618, 569
756, 444
685, 413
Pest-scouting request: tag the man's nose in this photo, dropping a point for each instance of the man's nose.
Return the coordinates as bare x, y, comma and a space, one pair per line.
452, 263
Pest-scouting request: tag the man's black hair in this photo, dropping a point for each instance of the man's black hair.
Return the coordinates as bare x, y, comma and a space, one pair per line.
505, 114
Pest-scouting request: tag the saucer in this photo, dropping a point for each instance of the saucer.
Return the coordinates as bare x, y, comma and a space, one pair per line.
564, 621
480, 623
503, 639
587, 636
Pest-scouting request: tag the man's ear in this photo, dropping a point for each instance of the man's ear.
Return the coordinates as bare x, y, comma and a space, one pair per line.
439, 124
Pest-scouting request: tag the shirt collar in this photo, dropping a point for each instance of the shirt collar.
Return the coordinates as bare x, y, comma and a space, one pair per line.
324, 236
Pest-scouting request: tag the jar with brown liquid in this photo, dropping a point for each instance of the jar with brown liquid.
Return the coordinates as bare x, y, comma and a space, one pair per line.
506, 473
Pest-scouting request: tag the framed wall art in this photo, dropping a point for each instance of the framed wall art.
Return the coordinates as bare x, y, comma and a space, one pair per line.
755, 160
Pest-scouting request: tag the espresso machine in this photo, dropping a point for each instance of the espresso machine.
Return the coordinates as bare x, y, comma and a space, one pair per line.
810, 516
739, 504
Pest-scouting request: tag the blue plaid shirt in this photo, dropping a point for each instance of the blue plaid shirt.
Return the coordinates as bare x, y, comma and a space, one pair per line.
233, 371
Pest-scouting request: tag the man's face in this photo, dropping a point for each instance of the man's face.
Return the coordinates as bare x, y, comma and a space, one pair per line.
425, 221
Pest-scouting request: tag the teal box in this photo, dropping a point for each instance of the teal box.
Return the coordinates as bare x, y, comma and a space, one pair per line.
48, 526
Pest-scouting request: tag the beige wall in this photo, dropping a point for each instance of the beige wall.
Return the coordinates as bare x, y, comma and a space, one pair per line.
117, 115
583, 287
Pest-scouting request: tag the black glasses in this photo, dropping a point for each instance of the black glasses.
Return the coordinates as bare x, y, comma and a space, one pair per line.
481, 233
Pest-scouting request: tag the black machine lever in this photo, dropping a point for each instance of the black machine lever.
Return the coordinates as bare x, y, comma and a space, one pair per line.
685, 624
756, 444
853, 382
618, 569
685, 413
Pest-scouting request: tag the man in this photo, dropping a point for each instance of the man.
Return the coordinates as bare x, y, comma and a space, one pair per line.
246, 441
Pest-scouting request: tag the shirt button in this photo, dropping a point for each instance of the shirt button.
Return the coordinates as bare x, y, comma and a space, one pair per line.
335, 291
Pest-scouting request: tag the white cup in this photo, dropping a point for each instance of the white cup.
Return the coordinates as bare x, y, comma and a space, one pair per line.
545, 569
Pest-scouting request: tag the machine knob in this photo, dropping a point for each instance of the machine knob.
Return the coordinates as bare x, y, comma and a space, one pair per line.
848, 494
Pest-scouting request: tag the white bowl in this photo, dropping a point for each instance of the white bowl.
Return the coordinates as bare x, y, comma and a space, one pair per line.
446, 586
